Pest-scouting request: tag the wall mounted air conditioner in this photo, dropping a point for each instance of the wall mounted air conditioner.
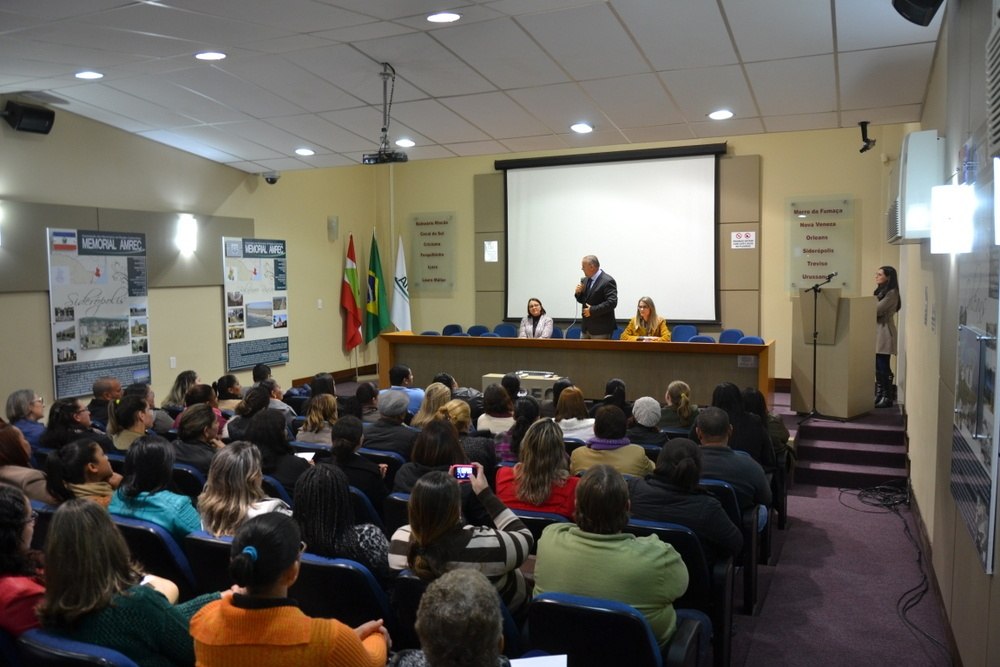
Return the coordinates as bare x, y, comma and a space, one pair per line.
921, 166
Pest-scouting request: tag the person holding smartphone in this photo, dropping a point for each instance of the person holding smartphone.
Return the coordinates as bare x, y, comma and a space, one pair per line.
437, 540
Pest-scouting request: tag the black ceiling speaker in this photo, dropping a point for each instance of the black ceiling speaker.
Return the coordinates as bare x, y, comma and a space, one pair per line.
27, 118
920, 12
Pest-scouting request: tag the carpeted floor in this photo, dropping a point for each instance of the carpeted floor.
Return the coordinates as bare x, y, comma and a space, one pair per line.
832, 598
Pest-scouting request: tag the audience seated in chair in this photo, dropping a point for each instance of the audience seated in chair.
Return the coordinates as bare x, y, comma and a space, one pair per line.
233, 491
459, 624
268, 431
610, 446
262, 626
678, 411
95, 594
473, 397
321, 414
540, 481
15, 465
748, 432
671, 494
571, 415
614, 394
389, 432
547, 408
644, 423
401, 379
68, 420
197, 437
435, 396
477, 448
81, 469
25, 410
107, 390
325, 516
508, 443
435, 540
593, 557
184, 381
363, 474
21, 575
437, 448
498, 415
143, 493
719, 461
130, 419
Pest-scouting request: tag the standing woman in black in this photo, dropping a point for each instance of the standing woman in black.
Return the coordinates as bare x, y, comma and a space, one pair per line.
889, 303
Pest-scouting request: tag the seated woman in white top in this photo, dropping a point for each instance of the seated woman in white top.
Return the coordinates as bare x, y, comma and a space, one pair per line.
536, 324
233, 492
499, 411
571, 415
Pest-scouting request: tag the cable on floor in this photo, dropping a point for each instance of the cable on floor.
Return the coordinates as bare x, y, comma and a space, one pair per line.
889, 497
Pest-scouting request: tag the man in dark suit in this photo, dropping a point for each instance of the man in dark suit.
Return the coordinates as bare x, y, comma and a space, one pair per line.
599, 296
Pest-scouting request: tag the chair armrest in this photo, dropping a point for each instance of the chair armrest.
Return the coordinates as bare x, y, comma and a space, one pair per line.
682, 649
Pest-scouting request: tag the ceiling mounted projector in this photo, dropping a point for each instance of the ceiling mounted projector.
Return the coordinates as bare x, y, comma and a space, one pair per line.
384, 157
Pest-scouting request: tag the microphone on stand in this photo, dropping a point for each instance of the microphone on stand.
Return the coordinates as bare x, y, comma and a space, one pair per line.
831, 276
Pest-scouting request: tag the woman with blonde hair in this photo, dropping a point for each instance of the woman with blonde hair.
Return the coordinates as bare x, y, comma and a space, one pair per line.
540, 481
233, 492
476, 448
435, 396
679, 411
646, 325
571, 415
320, 417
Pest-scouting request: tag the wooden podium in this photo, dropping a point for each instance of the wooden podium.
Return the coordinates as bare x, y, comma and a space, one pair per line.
845, 354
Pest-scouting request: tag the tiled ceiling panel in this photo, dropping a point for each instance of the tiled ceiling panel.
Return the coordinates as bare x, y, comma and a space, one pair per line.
511, 75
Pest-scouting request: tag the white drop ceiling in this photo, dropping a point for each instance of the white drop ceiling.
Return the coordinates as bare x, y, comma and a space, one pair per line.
510, 76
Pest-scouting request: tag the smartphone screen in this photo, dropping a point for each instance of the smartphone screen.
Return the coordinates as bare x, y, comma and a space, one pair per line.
462, 473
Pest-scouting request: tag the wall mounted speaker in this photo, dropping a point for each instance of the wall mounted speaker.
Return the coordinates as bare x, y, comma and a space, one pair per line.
27, 118
920, 12
332, 227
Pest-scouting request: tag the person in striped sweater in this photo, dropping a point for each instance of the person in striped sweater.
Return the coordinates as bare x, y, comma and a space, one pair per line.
436, 540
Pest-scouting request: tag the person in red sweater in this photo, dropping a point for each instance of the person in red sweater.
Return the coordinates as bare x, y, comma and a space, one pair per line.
21, 587
540, 481
263, 626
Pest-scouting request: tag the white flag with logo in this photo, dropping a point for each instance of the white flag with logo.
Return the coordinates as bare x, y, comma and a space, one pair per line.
400, 312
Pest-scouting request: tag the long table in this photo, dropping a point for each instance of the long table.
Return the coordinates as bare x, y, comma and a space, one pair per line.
646, 367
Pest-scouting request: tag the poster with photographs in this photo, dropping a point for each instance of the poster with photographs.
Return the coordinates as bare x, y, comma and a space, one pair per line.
98, 301
255, 303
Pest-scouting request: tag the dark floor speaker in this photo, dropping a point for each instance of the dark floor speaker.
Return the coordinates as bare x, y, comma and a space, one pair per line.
27, 118
920, 12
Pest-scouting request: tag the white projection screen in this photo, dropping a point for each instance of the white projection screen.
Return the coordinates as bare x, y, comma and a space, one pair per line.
651, 222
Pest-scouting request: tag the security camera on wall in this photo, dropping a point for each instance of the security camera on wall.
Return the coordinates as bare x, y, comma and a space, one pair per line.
271, 177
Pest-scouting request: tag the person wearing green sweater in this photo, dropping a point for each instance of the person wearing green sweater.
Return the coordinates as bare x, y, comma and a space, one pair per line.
95, 594
593, 557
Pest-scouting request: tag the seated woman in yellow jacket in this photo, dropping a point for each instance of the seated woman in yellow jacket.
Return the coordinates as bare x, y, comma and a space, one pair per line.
646, 325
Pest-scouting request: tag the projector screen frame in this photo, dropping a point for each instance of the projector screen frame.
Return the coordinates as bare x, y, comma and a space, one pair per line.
716, 150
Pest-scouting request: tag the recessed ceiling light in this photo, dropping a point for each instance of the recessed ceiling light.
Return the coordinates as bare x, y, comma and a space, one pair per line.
721, 114
305, 152
406, 143
582, 128
88, 75
444, 17
210, 55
